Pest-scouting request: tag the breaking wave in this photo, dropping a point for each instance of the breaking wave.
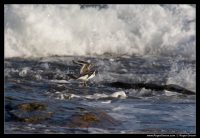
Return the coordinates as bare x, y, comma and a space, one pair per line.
46, 30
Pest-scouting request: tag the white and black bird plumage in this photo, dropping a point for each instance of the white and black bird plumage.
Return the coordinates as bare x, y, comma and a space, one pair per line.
86, 72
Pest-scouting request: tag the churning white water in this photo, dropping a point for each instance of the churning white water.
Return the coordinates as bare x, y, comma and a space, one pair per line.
45, 30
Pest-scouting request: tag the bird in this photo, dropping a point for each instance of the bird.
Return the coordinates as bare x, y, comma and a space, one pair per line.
86, 72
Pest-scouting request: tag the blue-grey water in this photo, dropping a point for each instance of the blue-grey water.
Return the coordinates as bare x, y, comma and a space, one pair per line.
141, 111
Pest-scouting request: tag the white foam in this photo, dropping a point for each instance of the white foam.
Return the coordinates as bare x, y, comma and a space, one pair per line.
120, 94
59, 81
169, 93
106, 102
93, 130
74, 96
182, 75
45, 30
95, 96
64, 96
24, 71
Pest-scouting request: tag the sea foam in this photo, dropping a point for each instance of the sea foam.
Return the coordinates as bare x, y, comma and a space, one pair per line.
46, 30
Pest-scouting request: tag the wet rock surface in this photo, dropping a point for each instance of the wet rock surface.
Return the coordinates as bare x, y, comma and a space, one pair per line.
30, 112
156, 87
91, 118
81, 116
31, 106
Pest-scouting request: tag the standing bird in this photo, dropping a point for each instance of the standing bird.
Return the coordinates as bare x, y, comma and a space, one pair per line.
85, 72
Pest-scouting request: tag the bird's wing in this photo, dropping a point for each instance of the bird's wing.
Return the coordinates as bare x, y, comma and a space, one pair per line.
82, 62
75, 62
85, 68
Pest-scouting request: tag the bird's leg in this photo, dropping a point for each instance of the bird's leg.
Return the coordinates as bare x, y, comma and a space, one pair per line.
84, 83
81, 83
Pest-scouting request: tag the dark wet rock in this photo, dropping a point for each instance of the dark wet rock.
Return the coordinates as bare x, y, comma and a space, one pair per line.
31, 117
91, 118
84, 120
31, 106
176, 88
156, 87
30, 112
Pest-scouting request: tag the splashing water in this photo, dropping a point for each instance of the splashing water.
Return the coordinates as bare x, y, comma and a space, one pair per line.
45, 30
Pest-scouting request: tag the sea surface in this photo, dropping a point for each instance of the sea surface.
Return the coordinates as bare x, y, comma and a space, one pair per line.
154, 45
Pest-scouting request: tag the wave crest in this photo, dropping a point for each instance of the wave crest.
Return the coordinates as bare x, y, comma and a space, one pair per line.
46, 30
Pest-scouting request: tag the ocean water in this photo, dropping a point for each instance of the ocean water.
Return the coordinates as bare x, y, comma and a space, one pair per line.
147, 44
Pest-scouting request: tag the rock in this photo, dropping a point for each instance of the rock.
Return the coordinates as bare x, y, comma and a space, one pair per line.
151, 86
30, 112
91, 118
88, 117
31, 106
83, 121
